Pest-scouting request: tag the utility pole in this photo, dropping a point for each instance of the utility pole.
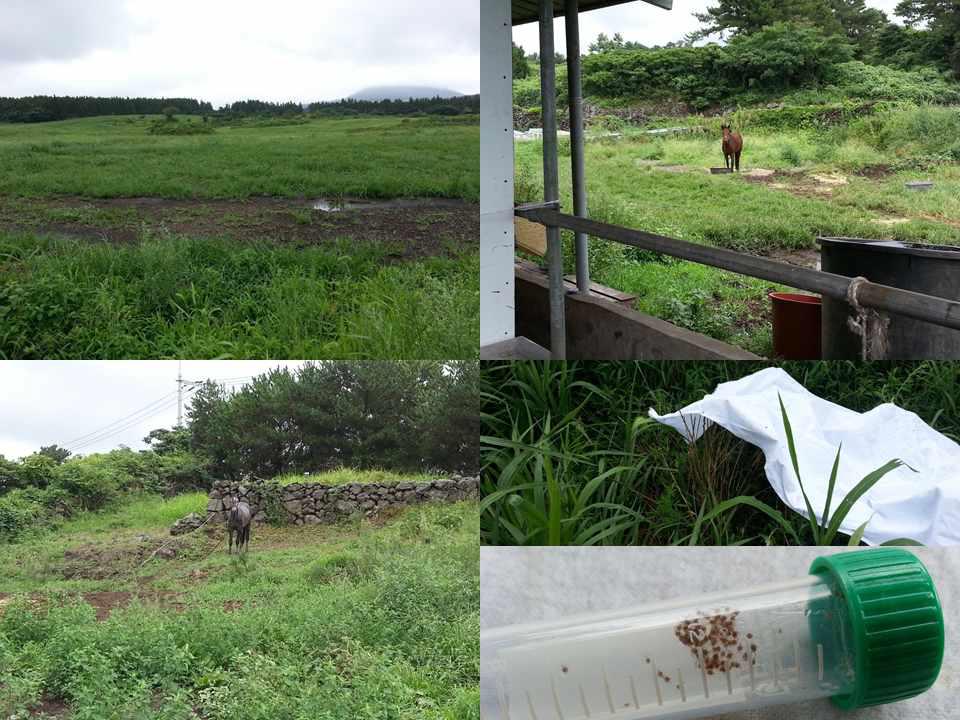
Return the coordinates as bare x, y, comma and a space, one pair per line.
180, 393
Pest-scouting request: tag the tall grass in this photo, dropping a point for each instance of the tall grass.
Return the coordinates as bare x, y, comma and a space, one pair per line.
366, 157
347, 476
183, 297
569, 457
358, 622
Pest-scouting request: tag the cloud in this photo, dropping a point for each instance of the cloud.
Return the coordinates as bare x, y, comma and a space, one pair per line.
641, 23
224, 51
59, 29
60, 402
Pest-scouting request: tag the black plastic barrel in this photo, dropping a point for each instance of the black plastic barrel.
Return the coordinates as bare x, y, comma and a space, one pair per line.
928, 269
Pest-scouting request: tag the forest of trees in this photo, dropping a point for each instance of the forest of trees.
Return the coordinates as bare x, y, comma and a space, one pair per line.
771, 47
431, 106
399, 416
44, 108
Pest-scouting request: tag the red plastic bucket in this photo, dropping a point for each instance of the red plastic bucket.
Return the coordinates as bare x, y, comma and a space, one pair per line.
796, 326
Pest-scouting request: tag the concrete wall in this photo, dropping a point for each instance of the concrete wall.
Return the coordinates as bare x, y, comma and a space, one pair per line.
604, 330
314, 503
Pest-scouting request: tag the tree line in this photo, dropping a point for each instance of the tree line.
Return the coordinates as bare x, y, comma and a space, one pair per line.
773, 46
48, 108
395, 416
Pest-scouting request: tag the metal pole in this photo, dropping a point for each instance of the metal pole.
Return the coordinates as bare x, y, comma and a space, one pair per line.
551, 179
575, 92
180, 394
936, 310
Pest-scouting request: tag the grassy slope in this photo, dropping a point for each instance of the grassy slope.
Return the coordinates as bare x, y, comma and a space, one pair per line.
345, 476
356, 620
116, 157
178, 296
626, 187
598, 430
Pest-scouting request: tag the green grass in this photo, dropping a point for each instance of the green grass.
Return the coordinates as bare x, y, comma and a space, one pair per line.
570, 456
366, 157
662, 185
183, 297
354, 620
347, 476
164, 295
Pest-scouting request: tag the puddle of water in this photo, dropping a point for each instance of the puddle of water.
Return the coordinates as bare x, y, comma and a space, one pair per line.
340, 204
335, 205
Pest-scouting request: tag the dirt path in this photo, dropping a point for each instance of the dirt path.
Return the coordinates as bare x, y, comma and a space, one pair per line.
411, 229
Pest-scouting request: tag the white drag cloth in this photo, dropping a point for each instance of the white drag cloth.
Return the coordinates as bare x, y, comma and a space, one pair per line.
923, 506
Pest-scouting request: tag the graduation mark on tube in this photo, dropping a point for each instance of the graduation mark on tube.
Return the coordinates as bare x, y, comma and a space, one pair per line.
862, 628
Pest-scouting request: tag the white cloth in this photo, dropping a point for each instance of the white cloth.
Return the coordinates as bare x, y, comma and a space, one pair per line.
923, 506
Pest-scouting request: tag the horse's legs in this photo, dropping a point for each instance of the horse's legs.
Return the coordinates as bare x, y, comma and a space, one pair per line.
738, 162
230, 541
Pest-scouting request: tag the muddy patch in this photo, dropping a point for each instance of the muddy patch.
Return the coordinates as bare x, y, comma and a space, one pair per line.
102, 562
408, 229
808, 258
106, 602
875, 172
50, 708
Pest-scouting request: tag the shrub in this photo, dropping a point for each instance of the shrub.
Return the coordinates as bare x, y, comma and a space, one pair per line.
92, 485
19, 510
877, 82
160, 127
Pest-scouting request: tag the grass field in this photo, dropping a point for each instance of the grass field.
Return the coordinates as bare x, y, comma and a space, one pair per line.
795, 185
570, 456
360, 620
116, 243
363, 157
346, 476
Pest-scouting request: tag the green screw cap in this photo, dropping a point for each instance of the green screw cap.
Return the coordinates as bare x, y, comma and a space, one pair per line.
895, 623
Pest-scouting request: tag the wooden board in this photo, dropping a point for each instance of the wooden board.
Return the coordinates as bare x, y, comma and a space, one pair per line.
531, 236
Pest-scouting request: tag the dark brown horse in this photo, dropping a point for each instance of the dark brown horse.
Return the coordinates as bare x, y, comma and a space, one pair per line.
732, 147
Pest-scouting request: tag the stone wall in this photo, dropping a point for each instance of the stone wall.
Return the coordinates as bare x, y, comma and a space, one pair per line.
314, 503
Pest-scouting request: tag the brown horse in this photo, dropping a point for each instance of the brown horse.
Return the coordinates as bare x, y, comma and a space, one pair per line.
732, 147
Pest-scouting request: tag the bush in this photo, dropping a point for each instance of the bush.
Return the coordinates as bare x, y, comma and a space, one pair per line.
160, 127
91, 485
19, 510
877, 82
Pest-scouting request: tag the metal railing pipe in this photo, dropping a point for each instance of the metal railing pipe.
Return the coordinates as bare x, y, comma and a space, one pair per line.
551, 179
928, 308
578, 173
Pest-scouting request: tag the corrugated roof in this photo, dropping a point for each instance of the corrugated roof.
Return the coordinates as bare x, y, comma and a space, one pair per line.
525, 11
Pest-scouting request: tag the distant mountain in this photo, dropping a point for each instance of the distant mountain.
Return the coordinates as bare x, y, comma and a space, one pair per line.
403, 92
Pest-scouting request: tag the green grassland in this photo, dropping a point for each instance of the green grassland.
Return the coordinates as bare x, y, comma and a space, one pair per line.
796, 184
365, 157
570, 456
217, 252
359, 620
347, 475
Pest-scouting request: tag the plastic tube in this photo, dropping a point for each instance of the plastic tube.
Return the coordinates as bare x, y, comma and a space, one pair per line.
863, 628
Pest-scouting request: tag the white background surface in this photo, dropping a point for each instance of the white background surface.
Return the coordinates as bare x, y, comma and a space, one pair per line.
531, 584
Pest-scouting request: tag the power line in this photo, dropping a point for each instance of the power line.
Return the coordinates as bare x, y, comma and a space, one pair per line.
169, 405
123, 419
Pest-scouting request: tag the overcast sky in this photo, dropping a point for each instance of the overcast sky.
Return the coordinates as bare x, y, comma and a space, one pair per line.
56, 402
226, 50
640, 22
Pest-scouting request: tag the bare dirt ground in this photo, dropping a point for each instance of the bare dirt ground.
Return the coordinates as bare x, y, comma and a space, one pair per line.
412, 229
